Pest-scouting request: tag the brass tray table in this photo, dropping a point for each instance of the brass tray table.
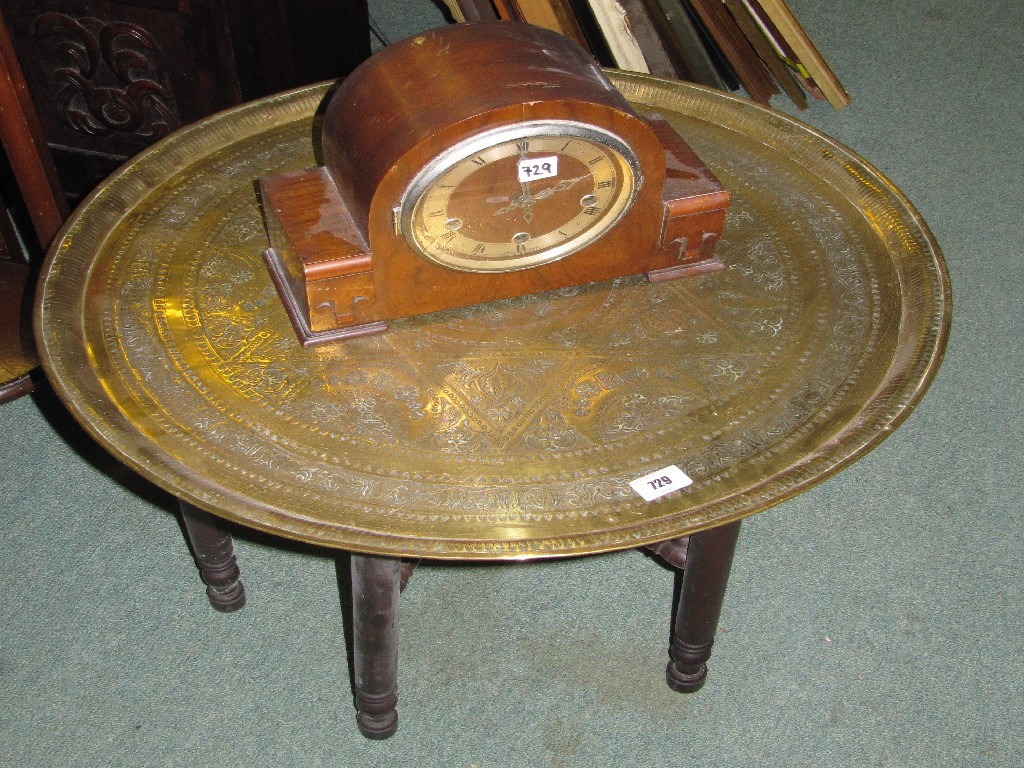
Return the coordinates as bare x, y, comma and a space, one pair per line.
506, 431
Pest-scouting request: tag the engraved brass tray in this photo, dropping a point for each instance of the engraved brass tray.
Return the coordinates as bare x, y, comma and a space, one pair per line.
509, 430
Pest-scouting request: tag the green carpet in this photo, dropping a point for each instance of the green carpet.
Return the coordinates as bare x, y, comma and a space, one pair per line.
876, 620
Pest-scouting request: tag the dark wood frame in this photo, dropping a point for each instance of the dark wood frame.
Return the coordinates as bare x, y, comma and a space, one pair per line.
704, 560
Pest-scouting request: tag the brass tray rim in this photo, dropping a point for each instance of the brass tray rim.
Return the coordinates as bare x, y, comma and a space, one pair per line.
904, 392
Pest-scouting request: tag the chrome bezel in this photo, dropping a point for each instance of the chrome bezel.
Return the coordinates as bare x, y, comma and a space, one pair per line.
483, 141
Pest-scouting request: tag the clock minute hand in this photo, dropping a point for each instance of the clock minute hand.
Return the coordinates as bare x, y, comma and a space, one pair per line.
559, 187
526, 200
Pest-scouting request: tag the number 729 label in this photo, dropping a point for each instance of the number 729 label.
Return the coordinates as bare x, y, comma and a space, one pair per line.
538, 168
659, 483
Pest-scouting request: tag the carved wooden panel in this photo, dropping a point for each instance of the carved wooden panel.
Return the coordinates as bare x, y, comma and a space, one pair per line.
110, 78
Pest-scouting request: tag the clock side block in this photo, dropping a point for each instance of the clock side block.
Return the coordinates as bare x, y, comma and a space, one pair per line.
695, 207
318, 256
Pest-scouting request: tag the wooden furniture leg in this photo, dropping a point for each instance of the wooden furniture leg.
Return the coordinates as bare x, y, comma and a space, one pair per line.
214, 552
24, 147
708, 561
376, 583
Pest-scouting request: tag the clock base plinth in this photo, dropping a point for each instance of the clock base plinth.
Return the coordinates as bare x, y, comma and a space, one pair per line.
685, 270
294, 307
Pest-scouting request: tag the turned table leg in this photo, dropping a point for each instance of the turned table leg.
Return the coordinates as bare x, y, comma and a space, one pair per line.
214, 552
376, 583
708, 561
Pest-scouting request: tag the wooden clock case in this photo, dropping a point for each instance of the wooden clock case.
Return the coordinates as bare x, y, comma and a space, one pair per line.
337, 257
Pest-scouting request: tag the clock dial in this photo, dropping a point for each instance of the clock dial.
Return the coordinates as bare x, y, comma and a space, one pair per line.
519, 197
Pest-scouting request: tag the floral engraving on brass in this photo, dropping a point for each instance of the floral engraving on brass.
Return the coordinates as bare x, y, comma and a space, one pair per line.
510, 429
134, 99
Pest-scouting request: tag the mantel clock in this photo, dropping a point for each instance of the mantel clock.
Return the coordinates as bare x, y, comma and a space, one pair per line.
477, 162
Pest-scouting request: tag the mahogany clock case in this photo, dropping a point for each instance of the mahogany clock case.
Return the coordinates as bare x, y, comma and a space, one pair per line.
341, 252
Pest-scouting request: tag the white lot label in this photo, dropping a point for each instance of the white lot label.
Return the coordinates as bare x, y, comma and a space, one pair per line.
657, 484
538, 168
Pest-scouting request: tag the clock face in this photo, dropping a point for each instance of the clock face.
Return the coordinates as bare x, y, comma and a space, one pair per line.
519, 196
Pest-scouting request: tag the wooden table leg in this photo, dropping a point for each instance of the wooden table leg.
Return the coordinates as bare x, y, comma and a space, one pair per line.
214, 552
708, 561
376, 583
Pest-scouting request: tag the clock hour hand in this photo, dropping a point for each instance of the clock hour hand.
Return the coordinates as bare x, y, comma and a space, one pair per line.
526, 200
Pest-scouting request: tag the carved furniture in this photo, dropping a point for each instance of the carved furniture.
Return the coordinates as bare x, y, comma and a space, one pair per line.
503, 431
110, 78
